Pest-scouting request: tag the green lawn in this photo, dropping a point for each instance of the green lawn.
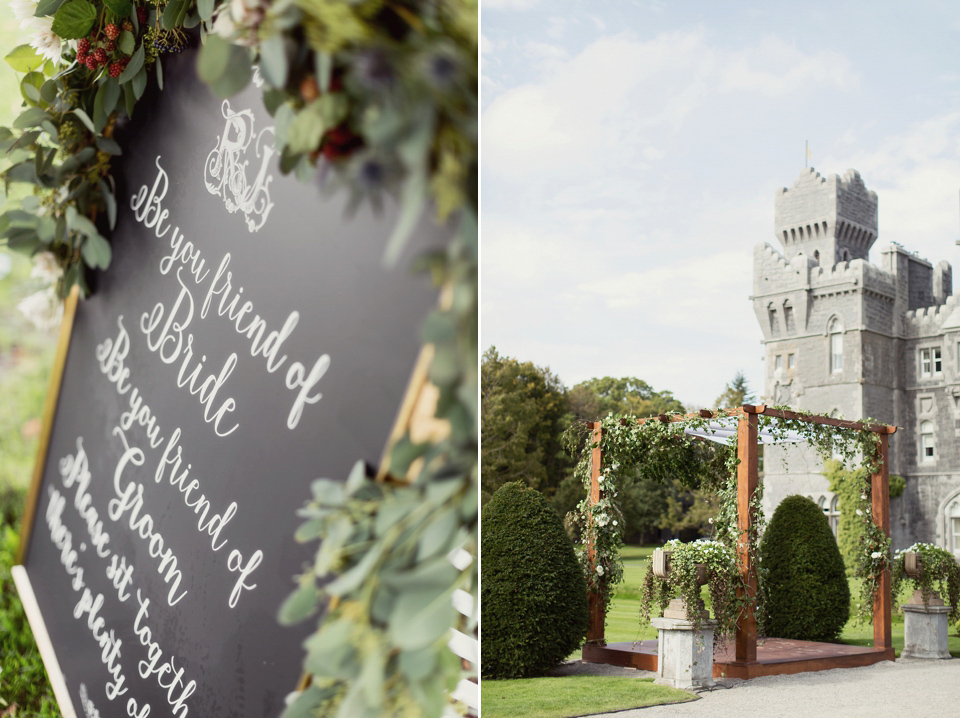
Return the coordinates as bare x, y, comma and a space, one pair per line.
565, 696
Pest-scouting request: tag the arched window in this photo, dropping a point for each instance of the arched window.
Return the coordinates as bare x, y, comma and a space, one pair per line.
926, 441
953, 526
833, 514
836, 345
774, 322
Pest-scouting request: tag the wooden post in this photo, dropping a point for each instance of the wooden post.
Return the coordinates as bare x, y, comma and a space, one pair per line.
598, 616
747, 478
880, 508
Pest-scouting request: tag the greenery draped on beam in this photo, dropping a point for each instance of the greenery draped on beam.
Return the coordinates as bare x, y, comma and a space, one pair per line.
661, 449
377, 98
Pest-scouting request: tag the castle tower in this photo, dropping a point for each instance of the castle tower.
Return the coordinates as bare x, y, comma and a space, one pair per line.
844, 336
830, 219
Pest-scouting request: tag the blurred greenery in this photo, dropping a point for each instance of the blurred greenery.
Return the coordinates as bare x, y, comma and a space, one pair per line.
25, 358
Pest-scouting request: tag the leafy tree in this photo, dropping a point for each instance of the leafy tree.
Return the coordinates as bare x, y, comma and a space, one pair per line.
596, 398
737, 393
523, 410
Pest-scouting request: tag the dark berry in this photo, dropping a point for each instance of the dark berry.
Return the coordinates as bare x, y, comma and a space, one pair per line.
91, 63
110, 46
81, 58
83, 46
100, 55
112, 31
142, 15
115, 69
127, 26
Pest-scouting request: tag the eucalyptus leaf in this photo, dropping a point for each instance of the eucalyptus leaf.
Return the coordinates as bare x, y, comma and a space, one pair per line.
301, 604
24, 58
421, 617
139, 83
126, 42
329, 648
306, 704
159, 66
205, 9
110, 202
413, 198
133, 67
417, 665
273, 60
223, 66
435, 538
171, 12
31, 117
353, 577
74, 19
96, 251
48, 91
109, 145
25, 140
85, 119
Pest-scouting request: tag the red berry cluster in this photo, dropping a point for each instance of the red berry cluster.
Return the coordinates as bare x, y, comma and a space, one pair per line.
98, 50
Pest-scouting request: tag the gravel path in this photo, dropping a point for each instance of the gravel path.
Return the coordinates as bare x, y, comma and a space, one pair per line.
898, 689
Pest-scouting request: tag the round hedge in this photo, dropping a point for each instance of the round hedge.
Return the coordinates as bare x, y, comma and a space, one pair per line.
805, 586
532, 589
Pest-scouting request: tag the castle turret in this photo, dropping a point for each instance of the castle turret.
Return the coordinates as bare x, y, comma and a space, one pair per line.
829, 219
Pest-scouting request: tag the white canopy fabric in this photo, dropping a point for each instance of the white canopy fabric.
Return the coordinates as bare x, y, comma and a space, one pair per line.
720, 430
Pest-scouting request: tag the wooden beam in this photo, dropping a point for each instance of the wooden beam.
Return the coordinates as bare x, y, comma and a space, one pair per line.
816, 419
880, 510
49, 412
598, 616
747, 479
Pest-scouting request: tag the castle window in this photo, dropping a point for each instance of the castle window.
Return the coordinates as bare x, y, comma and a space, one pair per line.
926, 441
788, 318
833, 515
791, 361
955, 525
931, 362
774, 322
836, 346
778, 362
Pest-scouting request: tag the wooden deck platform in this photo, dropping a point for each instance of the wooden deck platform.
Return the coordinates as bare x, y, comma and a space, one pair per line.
775, 656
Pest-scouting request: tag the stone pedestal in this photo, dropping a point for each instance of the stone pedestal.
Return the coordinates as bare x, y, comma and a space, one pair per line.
684, 656
925, 631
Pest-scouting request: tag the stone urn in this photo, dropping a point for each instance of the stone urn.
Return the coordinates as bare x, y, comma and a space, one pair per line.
678, 607
924, 626
684, 650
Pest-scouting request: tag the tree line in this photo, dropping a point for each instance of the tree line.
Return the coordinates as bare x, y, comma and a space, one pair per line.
525, 410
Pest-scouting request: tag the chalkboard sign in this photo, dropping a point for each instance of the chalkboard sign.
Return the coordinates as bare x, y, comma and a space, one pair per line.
245, 340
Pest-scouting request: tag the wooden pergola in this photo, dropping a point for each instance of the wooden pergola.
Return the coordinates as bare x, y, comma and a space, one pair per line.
746, 659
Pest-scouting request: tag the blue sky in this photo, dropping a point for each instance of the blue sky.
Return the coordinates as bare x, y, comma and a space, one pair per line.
631, 151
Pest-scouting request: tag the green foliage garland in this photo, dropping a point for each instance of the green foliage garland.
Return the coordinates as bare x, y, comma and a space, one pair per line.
378, 99
938, 571
661, 450
533, 593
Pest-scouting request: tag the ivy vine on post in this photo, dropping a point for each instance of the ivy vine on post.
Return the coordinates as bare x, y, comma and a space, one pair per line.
376, 99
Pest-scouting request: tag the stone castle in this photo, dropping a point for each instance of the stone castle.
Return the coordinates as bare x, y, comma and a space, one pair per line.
858, 339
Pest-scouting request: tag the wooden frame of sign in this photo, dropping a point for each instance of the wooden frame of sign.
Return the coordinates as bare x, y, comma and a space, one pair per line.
157, 541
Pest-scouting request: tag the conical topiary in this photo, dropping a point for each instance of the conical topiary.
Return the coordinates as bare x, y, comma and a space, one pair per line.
533, 594
803, 579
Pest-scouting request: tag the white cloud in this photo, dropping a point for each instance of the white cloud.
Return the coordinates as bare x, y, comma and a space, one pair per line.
509, 4
621, 95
